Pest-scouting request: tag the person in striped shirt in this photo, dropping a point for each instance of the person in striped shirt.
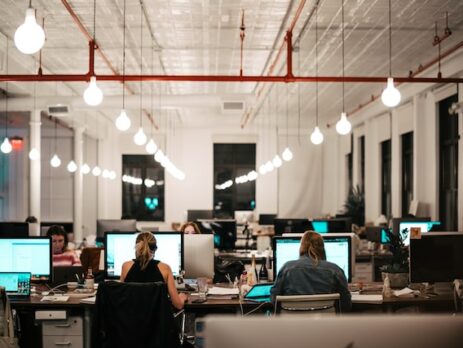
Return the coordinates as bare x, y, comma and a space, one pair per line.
62, 256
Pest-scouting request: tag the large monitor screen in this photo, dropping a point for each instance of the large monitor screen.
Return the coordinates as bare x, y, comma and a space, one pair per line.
291, 226
120, 247
334, 225
338, 250
32, 254
103, 226
199, 255
14, 229
425, 226
267, 219
193, 215
436, 257
224, 232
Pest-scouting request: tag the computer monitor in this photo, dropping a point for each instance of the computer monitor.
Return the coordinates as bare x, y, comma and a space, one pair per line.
224, 232
67, 226
291, 226
244, 216
120, 247
266, 219
114, 226
396, 222
377, 234
335, 225
31, 254
193, 215
14, 229
425, 226
199, 255
436, 257
338, 250
320, 226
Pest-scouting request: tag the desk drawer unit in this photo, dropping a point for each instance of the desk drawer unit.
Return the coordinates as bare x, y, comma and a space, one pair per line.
65, 333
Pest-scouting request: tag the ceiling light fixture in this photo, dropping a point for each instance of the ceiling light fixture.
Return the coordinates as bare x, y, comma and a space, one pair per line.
343, 126
317, 136
96, 171
34, 154
140, 137
72, 166
6, 146
55, 161
29, 37
151, 146
287, 154
85, 169
123, 121
391, 95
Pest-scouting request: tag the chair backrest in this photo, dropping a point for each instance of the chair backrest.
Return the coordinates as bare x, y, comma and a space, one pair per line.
323, 304
133, 315
7, 333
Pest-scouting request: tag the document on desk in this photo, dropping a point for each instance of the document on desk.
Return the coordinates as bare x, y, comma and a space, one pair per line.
218, 291
89, 300
360, 298
55, 298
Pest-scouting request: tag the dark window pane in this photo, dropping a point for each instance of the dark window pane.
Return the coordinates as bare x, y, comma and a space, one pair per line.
386, 201
407, 171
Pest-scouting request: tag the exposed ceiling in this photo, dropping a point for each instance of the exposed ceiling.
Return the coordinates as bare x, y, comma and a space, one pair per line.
202, 37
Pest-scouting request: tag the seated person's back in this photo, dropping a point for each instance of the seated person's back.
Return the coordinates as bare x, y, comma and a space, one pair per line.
311, 274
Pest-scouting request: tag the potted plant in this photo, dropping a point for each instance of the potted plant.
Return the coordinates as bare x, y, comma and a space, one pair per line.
397, 269
355, 205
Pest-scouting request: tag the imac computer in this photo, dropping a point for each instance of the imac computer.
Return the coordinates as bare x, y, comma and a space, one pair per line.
338, 250
291, 226
14, 229
436, 257
396, 222
224, 232
424, 226
335, 225
114, 226
199, 255
31, 254
267, 219
120, 247
193, 215
377, 234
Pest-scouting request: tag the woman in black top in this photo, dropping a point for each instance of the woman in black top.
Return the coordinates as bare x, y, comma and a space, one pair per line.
145, 269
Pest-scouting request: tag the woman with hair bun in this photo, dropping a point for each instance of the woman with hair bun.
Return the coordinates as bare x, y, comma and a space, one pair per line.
144, 268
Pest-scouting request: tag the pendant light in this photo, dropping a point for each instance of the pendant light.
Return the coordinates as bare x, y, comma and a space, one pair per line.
72, 166
151, 146
123, 121
93, 95
55, 161
140, 137
34, 154
6, 145
343, 126
287, 154
29, 37
391, 95
317, 136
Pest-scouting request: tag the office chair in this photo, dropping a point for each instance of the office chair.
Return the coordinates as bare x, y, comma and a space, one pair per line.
135, 315
320, 305
7, 333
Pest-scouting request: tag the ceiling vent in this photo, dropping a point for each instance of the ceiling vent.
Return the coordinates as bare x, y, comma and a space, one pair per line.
233, 106
58, 110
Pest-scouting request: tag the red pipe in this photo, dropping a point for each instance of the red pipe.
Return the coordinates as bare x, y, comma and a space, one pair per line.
289, 54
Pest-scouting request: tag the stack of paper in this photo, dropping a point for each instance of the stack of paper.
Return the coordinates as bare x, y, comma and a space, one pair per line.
55, 298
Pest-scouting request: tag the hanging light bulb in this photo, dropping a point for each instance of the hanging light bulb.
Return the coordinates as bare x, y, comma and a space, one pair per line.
71, 167
159, 156
55, 161
140, 137
93, 95
96, 171
6, 146
287, 154
123, 121
112, 175
85, 169
391, 95
316, 137
151, 147
263, 169
105, 173
277, 162
343, 126
29, 37
269, 166
34, 154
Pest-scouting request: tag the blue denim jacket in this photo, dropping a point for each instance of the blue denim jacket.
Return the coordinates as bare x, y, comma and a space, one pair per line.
304, 277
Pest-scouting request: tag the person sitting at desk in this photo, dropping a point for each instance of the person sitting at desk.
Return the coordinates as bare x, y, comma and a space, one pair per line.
144, 268
190, 228
62, 256
311, 274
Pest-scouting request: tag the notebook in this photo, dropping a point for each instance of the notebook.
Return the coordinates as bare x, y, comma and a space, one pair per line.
259, 293
17, 284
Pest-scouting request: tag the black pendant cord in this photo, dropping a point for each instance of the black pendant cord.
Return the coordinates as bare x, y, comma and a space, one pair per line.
123, 60
141, 64
316, 66
343, 66
390, 40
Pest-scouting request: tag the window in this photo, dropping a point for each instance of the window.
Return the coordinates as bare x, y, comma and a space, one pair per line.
350, 179
142, 188
386, 208
362, 162
448, 165
230, 162
407, 171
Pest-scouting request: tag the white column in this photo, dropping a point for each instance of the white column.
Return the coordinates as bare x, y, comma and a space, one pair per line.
78, 184
35, 166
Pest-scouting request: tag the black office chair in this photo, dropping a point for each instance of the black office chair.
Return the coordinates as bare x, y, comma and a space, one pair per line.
133, 315
7, 333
